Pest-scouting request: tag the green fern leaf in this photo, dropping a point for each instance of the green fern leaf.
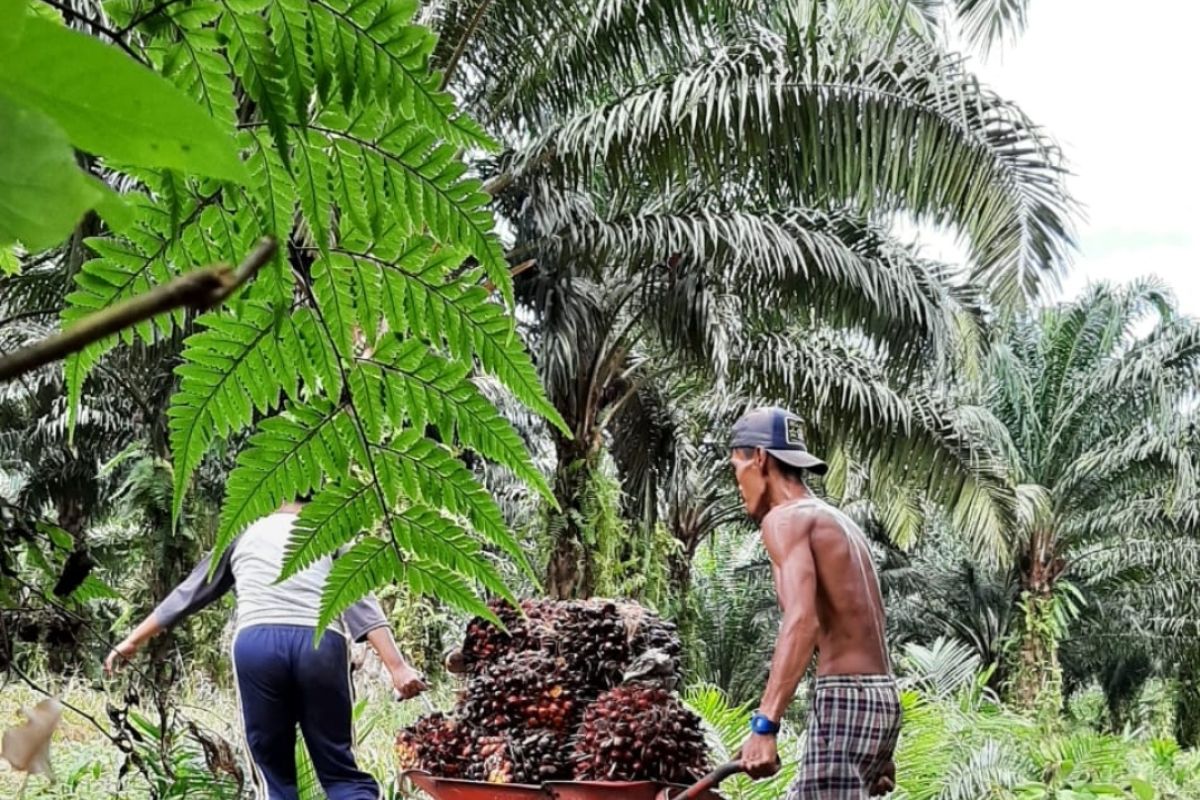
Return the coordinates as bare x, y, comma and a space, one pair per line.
194, 63
423, 388
427, 535
367, 287
312, 181
237, 366
375, 562
289, 455
122, 269
423, 188
273, 190
351, 186
337, 514
367, 391
417, 297
252, 54
376, 54
319, 365
289, 23
427, 472
332, 277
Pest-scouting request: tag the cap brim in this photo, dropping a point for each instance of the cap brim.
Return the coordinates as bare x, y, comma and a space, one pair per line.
802, 459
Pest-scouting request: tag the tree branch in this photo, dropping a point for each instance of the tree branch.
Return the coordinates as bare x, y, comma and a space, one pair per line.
200, 290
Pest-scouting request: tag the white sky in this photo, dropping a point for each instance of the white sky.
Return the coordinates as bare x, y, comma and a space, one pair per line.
1116, 83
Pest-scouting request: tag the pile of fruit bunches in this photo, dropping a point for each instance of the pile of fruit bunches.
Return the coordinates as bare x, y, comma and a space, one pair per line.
545, 700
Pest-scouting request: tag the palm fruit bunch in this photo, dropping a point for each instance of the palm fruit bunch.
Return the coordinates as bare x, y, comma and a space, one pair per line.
595, 640
520, 717
639, 732
532, 689
437, 742
541, 755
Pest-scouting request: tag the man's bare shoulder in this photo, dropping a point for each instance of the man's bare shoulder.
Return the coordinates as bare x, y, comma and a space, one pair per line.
787, 526
799, 521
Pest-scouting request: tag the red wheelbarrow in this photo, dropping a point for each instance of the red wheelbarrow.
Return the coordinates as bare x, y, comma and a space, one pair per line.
456, 789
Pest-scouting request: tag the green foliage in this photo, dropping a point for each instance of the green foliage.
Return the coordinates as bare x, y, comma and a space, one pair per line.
349, 367
60, 87
962, 746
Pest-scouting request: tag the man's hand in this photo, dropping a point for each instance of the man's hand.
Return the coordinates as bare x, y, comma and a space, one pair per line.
886, 781
760, 756
407, 682
119, 655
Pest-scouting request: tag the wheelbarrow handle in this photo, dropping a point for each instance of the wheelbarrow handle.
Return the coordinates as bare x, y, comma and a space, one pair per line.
711, 780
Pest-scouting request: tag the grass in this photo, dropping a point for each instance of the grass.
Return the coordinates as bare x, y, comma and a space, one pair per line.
87, 765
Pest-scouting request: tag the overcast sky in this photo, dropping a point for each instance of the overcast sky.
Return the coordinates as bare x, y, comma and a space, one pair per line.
1117, 84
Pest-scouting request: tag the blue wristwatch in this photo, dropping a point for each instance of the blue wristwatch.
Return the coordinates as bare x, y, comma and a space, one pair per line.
762, 725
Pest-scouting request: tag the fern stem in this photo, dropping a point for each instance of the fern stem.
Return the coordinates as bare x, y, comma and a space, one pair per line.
140, 18
115, 36
354, 413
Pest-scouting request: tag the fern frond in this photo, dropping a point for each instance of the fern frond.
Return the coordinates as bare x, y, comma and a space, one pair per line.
289, 23
194, 62
422, 388
419, 297
336, 515
423, 187
331, 278
252, 55
312, 181
319, 367
376, 54
236, 366
122, 269
431, 537
413, 466
375, 562
289, 455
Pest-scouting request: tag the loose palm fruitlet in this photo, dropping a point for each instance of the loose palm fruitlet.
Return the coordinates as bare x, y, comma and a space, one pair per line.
639, 732
439, 744
532, 689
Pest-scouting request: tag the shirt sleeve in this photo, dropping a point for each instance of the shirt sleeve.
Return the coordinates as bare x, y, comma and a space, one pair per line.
197, 591
364, 617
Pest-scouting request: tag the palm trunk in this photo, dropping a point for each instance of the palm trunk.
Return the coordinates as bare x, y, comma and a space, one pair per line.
570, 572
1036, 686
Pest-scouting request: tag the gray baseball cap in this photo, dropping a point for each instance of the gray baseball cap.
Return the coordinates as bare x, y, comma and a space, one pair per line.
780, 433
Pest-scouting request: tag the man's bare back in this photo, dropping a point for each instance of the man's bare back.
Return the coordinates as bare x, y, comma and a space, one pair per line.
849, 607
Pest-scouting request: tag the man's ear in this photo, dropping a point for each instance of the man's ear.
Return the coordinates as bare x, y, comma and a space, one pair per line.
760, 459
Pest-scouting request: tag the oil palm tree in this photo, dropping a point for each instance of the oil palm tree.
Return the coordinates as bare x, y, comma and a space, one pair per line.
1096, 426
683, 178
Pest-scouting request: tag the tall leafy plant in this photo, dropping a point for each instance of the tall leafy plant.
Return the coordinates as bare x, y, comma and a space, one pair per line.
366, 332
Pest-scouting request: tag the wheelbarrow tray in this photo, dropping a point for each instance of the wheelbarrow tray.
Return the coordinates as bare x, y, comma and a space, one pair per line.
458, 789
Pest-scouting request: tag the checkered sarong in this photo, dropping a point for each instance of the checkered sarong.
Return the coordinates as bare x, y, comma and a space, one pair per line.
853, 724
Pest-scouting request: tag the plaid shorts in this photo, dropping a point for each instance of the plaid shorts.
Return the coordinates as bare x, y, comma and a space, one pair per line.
853, 725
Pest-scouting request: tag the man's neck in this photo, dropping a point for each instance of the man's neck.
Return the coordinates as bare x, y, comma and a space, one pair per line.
785, 492
290, 508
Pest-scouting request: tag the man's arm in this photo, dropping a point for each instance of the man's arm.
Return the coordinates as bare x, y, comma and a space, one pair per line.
196, 592
365, 620
788, 544
787, 540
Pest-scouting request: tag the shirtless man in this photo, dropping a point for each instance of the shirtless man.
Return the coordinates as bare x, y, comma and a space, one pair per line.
829, 595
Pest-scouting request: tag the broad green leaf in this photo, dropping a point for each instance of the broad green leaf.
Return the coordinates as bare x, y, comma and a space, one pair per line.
43, 193
111, 106
12, 23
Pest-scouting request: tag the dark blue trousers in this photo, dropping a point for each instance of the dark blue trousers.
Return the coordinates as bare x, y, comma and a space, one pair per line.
284, 682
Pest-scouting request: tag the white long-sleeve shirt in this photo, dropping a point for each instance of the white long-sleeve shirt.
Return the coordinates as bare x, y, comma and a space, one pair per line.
250, 567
